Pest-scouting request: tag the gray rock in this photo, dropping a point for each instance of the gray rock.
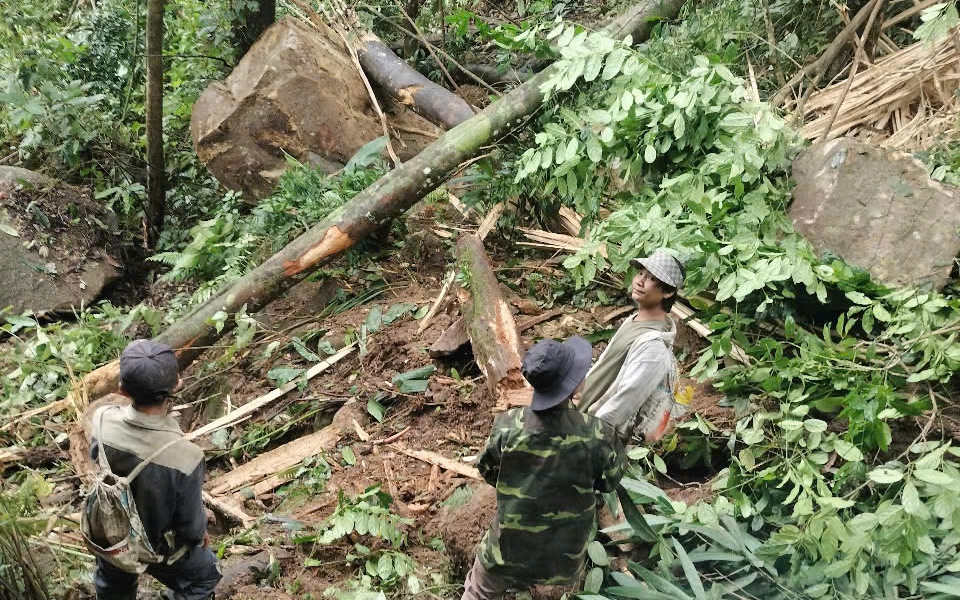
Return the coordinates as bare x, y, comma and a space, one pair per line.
26, 177
877, 209
50, 262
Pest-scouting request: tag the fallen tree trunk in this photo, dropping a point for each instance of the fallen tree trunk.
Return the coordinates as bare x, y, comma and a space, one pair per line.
433, 102
377, 205
493, 333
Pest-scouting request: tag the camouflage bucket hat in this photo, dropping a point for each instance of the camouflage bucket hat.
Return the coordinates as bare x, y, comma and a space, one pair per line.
664, 266
555, 370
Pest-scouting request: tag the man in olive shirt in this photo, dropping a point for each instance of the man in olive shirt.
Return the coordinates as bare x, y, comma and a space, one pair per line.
631, 386
548, 462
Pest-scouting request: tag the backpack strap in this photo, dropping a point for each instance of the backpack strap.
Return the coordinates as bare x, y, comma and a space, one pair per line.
143, 464
101, 451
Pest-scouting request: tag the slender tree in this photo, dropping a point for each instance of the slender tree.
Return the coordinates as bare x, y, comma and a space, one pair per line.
156, 175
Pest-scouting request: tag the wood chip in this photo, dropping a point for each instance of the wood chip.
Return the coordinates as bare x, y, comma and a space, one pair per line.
442, 461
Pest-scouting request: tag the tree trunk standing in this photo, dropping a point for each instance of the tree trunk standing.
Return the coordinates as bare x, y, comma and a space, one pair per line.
374, 207
493, 332
156, 176
249, 24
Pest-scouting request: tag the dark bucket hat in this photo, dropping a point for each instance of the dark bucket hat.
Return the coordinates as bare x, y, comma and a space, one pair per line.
555, 370
148, 371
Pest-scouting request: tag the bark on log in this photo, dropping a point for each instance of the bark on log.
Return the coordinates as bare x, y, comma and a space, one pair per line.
429, 100
493, 333
389, 197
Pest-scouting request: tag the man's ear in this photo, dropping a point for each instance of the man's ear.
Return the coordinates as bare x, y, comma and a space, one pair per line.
123, 392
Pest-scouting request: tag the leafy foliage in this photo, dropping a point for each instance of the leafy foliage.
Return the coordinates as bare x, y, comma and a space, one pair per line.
224, 247
46, 358
367, 514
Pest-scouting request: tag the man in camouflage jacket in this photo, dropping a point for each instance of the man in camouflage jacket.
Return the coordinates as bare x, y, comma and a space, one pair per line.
548, 461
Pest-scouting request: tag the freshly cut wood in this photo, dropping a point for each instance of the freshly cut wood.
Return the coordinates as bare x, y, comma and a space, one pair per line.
264, 468
229, 509
488, 320
456, 337
374, 207
441, 461
258, 403
451, 340
447, 282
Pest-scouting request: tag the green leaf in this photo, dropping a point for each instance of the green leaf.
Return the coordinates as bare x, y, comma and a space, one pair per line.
284, 375
634, 517
421, 312
593, 581
847, 451
859, 298
885, 475
413, 386
418, 373
910, 499
348, 456
690, 571
375, 409
366, 155
396, 311
935, 477
9, 229
650, 154
374, 319
598, 554
19, 322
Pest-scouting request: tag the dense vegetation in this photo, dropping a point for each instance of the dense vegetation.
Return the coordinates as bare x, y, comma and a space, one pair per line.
833, 482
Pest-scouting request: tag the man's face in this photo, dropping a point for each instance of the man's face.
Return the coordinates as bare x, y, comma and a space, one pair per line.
645, 290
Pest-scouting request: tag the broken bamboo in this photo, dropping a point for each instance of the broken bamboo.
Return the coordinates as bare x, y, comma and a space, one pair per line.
256, 404
441, 461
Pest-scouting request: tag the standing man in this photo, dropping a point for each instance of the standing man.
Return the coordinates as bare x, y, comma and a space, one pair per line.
167, 491
631, 386
548, 461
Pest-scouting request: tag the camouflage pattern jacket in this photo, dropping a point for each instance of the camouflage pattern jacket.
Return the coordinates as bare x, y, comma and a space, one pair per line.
547, 468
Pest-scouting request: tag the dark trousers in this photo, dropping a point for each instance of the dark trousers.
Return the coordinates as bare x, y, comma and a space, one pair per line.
193, 577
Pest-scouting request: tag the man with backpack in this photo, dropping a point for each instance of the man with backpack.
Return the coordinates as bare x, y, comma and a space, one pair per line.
632, 385
142, 456
548, 462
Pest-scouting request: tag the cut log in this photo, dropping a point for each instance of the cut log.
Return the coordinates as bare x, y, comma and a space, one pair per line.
408, 86
264, 473
261, 473
488, 320
374, 207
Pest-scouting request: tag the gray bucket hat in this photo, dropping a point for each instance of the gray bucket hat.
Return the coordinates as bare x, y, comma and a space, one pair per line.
148, 371
555, 370
664, 266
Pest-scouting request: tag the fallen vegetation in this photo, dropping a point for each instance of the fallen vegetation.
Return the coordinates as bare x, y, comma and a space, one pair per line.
343, 357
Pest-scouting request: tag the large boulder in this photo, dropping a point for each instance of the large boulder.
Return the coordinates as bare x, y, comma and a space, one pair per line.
295, 92
877, 209
53, 245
